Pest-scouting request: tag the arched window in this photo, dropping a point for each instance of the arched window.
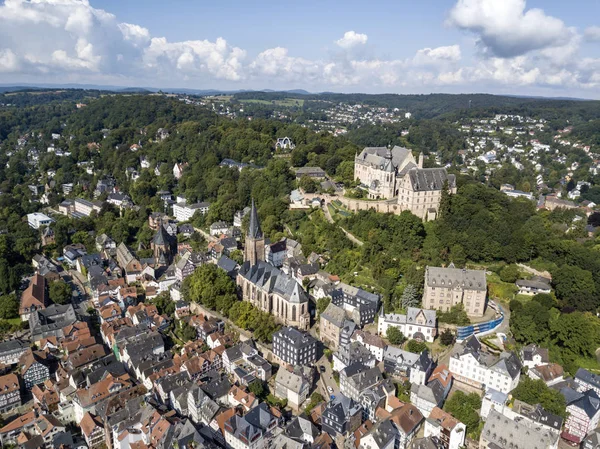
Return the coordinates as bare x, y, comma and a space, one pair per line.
293, 313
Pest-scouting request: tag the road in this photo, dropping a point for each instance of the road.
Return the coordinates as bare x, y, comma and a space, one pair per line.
330, 219
206, 235
326, 378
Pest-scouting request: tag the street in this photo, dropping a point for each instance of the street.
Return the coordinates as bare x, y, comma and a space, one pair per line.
326, 379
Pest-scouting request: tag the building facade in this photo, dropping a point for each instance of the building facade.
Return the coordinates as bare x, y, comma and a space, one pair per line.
394, 173
417, 324
448, 287
294, 347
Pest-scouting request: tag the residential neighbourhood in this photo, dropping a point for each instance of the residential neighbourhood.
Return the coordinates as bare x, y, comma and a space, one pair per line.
314, 293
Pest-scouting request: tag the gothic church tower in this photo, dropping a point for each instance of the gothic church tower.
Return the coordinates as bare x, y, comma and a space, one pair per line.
254, 249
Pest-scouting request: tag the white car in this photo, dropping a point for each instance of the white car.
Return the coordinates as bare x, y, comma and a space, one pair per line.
330, 390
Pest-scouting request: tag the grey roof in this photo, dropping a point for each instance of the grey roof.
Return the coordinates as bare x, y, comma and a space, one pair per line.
384, 158
505, 432
293, 381
254, 230
353, 353
509, 364
529, 351
426, 179
343, 407
334, 315
587, 377
533, 284
300, 427
269, 278
296, 337
455, 277
589, 402
227, 264
217, 387
364, 378
538, 414
13, 346
161, 238
433, 392
383, 433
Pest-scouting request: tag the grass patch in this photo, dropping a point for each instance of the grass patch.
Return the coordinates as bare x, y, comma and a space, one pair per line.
285, 103
500, 290
14, 321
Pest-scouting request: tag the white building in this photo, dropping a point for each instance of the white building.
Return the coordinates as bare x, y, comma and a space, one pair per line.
448, 429
418, 324
37, 219
471, 365
184, 212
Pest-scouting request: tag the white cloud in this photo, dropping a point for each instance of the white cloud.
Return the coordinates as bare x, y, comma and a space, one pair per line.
217, 58
69, 40
136, 34
440, 54
352, 39
592, 34
506, 29
8, 61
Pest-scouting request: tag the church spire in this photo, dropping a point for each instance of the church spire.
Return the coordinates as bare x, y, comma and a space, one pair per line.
254, 230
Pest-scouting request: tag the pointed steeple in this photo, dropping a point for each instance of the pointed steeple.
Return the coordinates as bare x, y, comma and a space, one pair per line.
254, 230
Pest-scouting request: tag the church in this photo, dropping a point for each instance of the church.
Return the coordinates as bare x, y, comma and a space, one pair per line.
268, 288
388, 174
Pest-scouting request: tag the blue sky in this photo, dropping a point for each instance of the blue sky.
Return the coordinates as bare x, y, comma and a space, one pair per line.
497, 46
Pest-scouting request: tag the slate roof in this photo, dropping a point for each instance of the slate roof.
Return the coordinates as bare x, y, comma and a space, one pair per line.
384, 158
272, 280
334, 315
294, 336
587, 377
254, 230
427, 179
504, 432
455, 277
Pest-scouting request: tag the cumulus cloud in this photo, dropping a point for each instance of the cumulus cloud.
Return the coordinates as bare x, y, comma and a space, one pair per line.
54, 36
592, 34
70, 39
440, 54
506, 29
352, 39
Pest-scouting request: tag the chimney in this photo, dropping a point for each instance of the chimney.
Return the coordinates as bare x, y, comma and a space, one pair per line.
420, 163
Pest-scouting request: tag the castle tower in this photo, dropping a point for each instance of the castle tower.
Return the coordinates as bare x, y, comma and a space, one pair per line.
254, 249
421, 158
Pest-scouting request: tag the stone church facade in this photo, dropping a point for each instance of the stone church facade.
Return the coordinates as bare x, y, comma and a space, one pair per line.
268, 288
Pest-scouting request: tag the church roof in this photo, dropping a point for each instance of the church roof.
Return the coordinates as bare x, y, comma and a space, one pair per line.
254, 230
161, 238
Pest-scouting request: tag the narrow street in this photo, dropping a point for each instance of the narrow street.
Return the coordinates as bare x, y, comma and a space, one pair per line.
330, 219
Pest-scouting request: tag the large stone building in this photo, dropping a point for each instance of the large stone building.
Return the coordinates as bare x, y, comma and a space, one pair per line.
447, 287
394, 173
268, 288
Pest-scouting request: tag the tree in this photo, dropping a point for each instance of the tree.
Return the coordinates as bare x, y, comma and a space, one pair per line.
410, 297
211, 287
394, 335
575, 287
60, 292
308, 184
466, 409
510, 274
164, 304
537, 392
9, 306
185, 332
237, 256
322, 304
257, 388
456, 315
416, 346
447, 337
